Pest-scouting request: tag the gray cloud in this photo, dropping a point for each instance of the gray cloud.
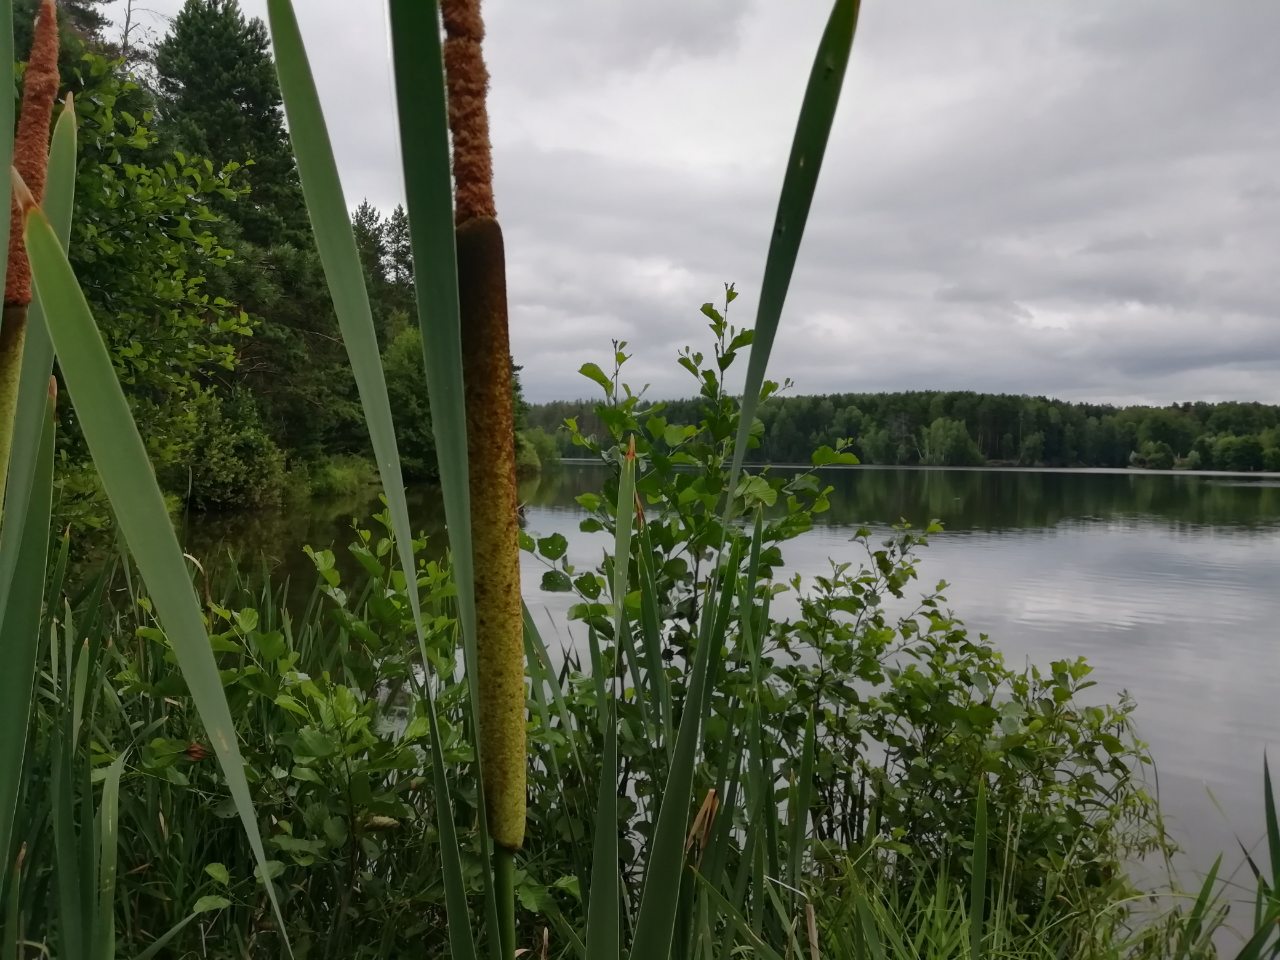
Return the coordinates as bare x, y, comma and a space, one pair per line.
1069, 198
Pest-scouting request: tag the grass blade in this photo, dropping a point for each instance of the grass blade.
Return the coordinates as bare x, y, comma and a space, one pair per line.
978, 877
807, 149
108, 831
428, 181
37, 352
603, 922
1273, 826
130, 484
24, 540
24, 549
335, 243
799, 812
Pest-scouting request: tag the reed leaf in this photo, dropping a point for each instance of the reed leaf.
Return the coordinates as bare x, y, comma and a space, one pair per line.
130, 485
978, 877
8, 121
109, 834
24, 548
604, 932
817, 112
428, 181
24, 540
603, 921
335, 243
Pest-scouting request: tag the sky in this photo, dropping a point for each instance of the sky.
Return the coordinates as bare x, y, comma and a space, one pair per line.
1077, 198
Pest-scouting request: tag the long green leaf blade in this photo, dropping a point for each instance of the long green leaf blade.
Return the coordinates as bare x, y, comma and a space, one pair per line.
428, 182
109, 834
335, 243
24, 549
603, 922
807, 149
37, 352
799, 813
130, 484
24, 539
978, 877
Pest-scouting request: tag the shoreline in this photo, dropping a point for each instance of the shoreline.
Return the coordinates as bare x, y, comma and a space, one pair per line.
992, 468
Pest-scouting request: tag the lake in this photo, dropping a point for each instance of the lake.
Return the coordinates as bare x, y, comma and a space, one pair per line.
1169, 584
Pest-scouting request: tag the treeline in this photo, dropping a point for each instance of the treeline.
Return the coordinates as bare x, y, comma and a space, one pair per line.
963, 428
192, 241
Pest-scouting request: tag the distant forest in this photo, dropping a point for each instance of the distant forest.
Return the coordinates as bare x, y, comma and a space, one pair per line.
962, 428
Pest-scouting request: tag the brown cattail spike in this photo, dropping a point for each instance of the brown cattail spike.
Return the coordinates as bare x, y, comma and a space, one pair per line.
468, 113
495, 531
30, 167
31, 144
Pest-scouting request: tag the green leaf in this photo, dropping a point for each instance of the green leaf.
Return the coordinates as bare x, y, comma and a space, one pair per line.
270, 646
219, 873
24, 541
825, 456
208, 904
428, 177
109, 834
603, 921
593, 372
553, 547
313, 743
817, 112
588, 584
556, 581
420, 92
978, 876
130, 484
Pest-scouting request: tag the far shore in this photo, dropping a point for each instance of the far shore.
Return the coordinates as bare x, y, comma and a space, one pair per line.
1011, 468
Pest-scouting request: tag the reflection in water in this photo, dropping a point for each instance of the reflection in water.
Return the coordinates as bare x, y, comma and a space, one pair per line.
1168, 583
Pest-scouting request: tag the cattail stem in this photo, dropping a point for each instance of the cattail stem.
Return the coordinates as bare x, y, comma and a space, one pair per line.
504, 889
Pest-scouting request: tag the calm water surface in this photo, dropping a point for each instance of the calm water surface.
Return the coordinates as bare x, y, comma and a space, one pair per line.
1168, 584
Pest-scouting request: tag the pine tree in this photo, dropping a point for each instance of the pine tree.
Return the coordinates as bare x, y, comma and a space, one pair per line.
219, 93
370, 231
399, 249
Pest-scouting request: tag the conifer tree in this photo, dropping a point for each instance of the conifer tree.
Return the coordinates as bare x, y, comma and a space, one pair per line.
219, 93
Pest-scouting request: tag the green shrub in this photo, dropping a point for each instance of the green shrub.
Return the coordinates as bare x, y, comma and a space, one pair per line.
545, 446
528, 463
407, 390
342, 476
233, 462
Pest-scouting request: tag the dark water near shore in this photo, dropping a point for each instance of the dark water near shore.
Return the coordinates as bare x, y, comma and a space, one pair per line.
1169, 584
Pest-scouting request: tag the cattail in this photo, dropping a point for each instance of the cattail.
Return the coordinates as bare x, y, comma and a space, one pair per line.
31, 162
486, 361
468, 81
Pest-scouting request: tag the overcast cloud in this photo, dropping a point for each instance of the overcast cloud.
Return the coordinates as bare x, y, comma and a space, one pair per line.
1073, 198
